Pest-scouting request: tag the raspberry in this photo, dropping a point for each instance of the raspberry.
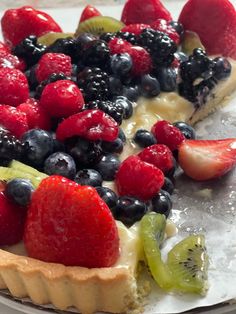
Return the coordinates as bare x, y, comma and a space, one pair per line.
62, 99
118, 45
13, 86
167, 134
91, 233
13, 120
158, 155
4, 48
132, 170
135, 28
142, 62
90, 124
7, 60
53, 63
163, 26
36, 116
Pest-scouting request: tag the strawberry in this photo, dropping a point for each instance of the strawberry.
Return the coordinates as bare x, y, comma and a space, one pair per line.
13, 120
142, 61
13, 86
215, 23
61, 99
135, 11
70, 224
90, 124
4, 48
22, 22
207, 159
12, 219
118, 45
37, 117
88, 12
133, 170
135, 28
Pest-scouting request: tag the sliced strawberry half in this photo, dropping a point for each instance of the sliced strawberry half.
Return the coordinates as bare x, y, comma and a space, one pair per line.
207, 159
88, 12
138, 11
215, 23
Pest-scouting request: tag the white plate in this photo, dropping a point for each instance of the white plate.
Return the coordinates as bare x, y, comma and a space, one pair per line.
215, 217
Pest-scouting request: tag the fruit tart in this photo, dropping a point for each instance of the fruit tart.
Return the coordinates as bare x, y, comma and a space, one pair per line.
94, 125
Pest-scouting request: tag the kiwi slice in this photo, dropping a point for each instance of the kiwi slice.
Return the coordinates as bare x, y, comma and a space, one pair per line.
98, 25
15, 164
49, 38
191, 41
188, 262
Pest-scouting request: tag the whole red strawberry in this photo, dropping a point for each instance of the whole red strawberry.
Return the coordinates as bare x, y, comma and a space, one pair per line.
62, 99
12, 219
138, 178
22, 22
142, 62
13, 120
167, 134
91, 124
158, 155
70, 224
88, 12
136, 11
14, 88
37, 117
135, 28
118, 45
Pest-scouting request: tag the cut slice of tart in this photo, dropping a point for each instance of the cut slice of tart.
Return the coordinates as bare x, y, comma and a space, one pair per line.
112, 289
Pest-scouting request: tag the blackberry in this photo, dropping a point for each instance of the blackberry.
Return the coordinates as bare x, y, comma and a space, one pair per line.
94, 83
66, 46
52, 78
29, 50
96, 53
113, 109
130, 37
107, 36
159, 45
10, 146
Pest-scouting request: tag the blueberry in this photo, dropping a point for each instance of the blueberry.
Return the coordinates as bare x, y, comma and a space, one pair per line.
144, 138
178, 27
108, 167
88, 177
149, 86
61, 164
131, 92
126, 104
168, 186
109, 196
167, 78
186, 129
129, 210
38, 146
113, 147
121, 135
19, 191
121, 64
58, 146
115, 86
161, 203
221, 68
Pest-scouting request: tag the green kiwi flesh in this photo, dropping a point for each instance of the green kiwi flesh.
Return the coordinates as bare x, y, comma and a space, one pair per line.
188, 262
49, 38
98, 25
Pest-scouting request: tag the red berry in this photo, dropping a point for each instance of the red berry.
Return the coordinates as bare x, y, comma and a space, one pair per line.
163, 26
167, 134
207, 159
135, 28
158, 155
22, 22
12, 219
138, 178
7, 60
215, 23
70, 224
13, 120
37, 117
118, 45
88, 12
135, 11
62, 99
142, 62
53, 63
14, 88
91, 124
